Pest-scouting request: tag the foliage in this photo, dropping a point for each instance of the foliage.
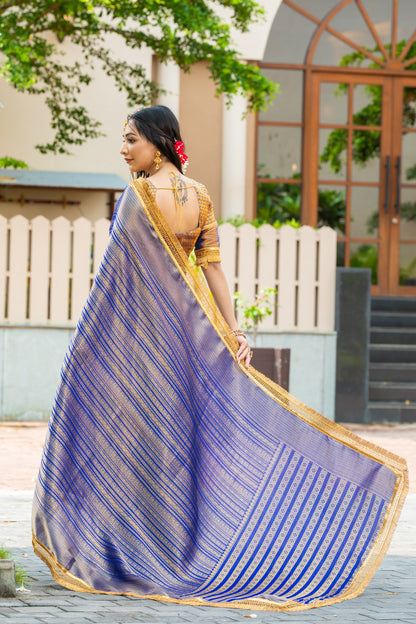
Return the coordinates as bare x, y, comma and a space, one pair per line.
411, 173
366, 143
240, 220
21, 577
408, 273
279, 203
185, 32
254, 313
366, 258
11, 163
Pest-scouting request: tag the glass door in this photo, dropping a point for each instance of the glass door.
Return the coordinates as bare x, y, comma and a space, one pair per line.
402, 208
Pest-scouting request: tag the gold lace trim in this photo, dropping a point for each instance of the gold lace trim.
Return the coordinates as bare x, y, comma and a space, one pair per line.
208, 254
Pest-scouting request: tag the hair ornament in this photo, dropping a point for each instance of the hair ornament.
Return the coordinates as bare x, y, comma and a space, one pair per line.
179, 147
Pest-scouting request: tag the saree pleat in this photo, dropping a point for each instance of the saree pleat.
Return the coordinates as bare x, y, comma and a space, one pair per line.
171, 472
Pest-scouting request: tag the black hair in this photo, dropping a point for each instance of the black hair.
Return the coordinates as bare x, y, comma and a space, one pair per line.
159, 126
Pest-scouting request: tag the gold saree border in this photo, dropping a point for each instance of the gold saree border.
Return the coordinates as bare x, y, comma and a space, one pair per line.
198, 287
73, 583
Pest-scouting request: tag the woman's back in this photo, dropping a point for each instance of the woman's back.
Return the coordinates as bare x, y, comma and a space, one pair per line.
178, 200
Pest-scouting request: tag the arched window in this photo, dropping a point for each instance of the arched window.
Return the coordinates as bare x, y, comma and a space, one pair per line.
338, 146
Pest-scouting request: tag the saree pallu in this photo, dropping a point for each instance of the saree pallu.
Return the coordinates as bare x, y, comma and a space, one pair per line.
171, 472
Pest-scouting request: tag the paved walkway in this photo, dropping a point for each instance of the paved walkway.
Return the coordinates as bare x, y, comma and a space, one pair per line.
389, 599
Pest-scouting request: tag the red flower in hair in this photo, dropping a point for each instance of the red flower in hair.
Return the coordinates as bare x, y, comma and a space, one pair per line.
179, 147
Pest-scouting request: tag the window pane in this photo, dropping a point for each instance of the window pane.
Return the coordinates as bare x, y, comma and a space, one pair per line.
406, 21
330, 50
333, 154
380, 12
365, 256
318, 8
287, 105
364, 212
340, 254
408, 265
408, 164
279, 150
282, 45
278, 201
331, 207
365, 156
409, 107
408, 214
367, 105
350, 23
334, 103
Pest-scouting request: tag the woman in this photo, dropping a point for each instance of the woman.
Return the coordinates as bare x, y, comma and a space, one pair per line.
171, 470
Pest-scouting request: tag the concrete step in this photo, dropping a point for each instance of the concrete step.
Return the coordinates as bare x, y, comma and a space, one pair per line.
393, 353
391, 372
393, 319
393, 335
393, 304
391, 412
392, 391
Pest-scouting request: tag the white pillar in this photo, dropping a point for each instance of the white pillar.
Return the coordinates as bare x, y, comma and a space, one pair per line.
234, 146
168, 78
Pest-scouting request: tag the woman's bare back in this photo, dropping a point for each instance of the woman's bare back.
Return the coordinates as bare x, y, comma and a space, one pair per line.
177, 198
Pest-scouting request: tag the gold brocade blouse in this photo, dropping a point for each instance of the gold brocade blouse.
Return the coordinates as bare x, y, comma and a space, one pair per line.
204, 239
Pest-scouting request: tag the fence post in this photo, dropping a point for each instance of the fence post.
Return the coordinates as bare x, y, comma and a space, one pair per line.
60, 270
307, 278
286, 312
19, 258
39, 270
267, 269
327, 278
81, 266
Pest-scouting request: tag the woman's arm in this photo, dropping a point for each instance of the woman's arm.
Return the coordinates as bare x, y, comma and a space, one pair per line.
219, 289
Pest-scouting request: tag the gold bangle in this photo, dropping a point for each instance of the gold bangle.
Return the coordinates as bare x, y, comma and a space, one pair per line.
238, 332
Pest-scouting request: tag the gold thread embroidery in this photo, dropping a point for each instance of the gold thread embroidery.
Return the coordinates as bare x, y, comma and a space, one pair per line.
208, 254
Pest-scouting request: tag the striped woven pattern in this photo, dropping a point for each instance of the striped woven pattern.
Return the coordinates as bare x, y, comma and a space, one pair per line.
169, 472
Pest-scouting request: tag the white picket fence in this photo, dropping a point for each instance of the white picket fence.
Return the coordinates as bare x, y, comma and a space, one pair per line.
47, 268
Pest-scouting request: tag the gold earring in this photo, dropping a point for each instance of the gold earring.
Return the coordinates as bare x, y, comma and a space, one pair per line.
157, 160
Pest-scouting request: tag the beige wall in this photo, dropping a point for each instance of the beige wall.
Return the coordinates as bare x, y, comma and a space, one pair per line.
200, 114
251, 178
24, 121
92, 205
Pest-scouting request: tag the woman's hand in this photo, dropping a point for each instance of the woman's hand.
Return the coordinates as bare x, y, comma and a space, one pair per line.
244, 353
219, 289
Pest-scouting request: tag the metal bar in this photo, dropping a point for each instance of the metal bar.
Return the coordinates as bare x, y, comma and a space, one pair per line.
398, 172
387, 183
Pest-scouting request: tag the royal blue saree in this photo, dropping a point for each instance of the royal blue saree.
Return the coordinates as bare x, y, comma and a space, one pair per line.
171, 472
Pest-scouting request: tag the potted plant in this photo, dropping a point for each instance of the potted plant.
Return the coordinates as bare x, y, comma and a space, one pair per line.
272, 362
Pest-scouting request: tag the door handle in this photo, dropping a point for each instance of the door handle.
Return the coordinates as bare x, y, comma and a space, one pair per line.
387, 183
398, 172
